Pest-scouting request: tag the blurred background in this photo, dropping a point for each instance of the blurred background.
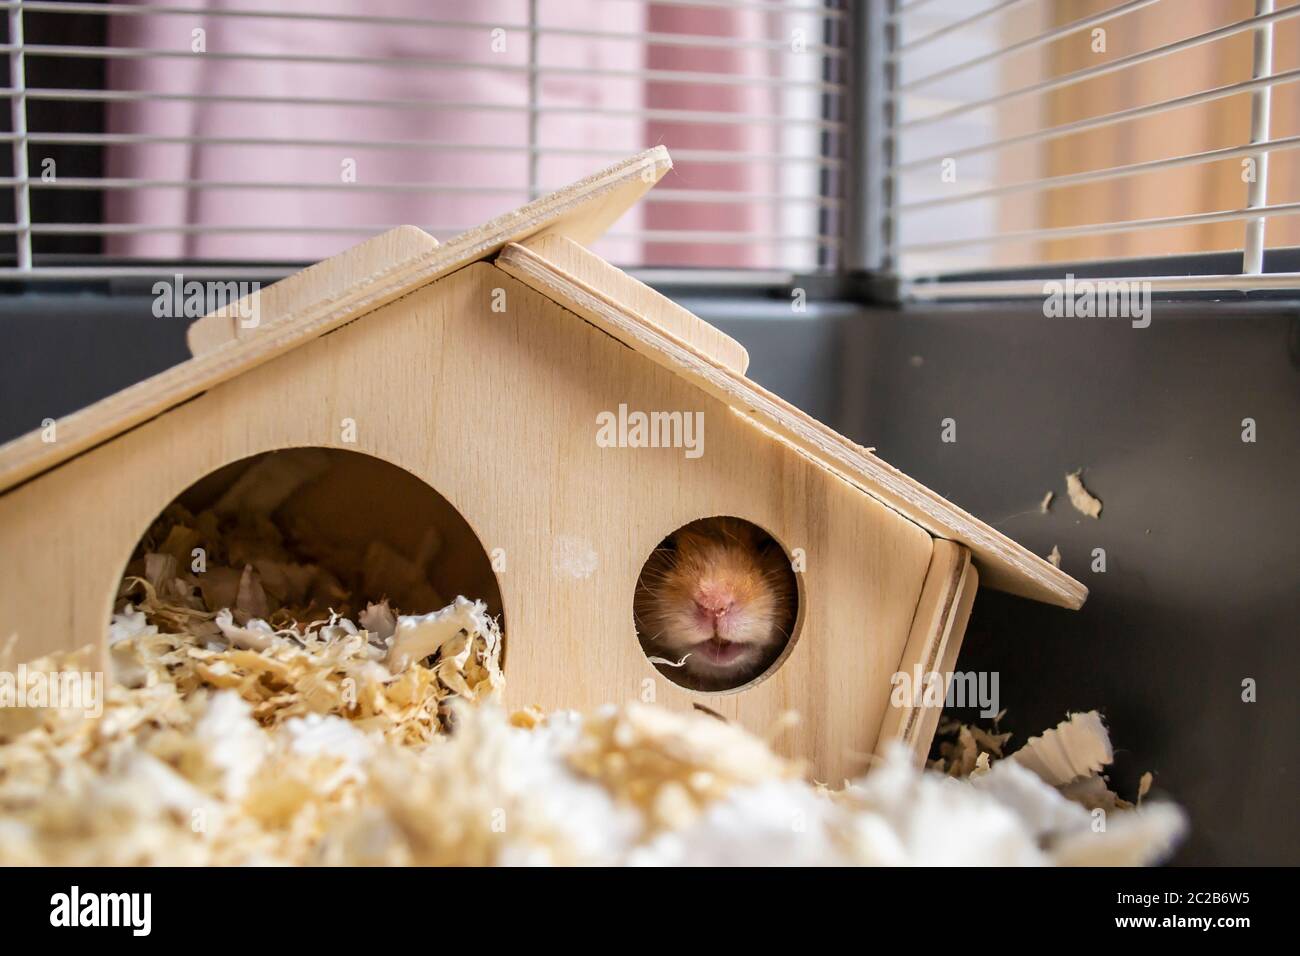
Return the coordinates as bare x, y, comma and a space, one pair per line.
919, 168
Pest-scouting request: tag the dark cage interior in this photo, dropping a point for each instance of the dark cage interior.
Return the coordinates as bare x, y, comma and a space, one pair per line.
71, 160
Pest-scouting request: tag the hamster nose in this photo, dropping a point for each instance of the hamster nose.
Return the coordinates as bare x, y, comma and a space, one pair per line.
714, 601
709, 610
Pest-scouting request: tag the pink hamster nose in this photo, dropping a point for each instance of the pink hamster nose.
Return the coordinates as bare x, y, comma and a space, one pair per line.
714, 600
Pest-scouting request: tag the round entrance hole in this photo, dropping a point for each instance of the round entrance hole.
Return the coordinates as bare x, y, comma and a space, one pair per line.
717, 605
294, 535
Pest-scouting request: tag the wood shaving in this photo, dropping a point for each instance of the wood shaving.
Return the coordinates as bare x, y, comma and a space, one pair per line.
1080, 497
236, 757
1077, 747
1054, 557
641, 757
1069, 758
329, 666
241, 555
1144, 786
1046, 504
233, 734
965, 748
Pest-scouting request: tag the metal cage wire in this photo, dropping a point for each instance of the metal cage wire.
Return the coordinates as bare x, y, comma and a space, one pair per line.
771, 182
881, 99
923, 130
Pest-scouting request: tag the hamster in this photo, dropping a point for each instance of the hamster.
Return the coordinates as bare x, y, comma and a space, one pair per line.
720, 593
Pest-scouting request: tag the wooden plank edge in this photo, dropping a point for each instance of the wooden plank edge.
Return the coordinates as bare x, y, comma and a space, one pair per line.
613, 283
402, 245
932, 645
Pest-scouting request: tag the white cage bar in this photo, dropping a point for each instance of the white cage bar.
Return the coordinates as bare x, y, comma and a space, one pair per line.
920, 108
803, 206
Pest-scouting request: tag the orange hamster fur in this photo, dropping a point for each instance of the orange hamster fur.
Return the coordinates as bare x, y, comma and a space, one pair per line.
719, 596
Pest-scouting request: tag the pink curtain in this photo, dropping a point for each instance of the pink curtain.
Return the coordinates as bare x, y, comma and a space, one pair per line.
576, 118
746, 177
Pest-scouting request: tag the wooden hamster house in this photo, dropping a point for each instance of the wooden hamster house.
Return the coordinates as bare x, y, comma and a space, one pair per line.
480, 366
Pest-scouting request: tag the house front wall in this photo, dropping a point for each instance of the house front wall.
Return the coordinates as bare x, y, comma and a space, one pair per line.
494, 396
